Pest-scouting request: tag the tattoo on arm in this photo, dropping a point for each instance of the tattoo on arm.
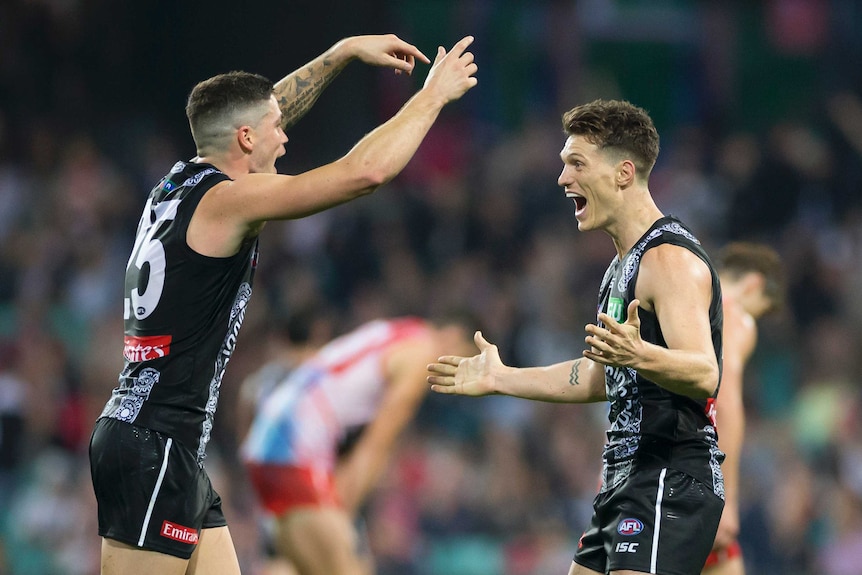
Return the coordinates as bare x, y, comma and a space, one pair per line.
574, 375
298, 92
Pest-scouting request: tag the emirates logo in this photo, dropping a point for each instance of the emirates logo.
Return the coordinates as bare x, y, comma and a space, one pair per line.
179, 533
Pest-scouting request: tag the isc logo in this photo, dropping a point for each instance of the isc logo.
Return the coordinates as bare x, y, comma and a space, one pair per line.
626, 547
630, 527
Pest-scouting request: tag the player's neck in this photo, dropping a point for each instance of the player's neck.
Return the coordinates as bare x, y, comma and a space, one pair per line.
638, 218
234, 168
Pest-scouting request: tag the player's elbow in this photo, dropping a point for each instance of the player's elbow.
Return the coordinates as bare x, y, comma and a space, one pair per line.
374, 177
707, 385
365, 177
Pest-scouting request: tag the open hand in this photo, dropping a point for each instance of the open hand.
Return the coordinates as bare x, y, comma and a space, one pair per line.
467, 375
453, 72
617, 344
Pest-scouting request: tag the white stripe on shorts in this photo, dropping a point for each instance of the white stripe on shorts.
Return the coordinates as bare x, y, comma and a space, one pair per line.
657, 523
155, 492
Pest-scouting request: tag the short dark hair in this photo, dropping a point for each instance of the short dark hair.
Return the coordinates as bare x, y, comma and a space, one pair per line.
224, 94
616, 124
299, 326
739, 258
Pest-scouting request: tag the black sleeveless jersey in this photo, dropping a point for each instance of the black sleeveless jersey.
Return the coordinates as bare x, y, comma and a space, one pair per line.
651, 426
182, 314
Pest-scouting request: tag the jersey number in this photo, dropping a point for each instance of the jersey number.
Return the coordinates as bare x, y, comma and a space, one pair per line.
149, 250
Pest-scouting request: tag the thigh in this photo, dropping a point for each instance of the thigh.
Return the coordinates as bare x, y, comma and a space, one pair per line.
121, 559
733, 566
215, 554
576, 569
319, 541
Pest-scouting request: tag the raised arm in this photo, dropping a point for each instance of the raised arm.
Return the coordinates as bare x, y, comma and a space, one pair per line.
576, 381
676, 285
297, 92
373, 161
235, 210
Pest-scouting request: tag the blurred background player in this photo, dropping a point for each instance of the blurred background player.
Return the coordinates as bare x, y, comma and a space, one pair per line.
290, 340
752, 285
322, 438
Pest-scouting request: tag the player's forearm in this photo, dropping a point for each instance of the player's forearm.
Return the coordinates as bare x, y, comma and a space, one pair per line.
386, 150
690, 373
361, 470
355, 479
574, 381
298, 91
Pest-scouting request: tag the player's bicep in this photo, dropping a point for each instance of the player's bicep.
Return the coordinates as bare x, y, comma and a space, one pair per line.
255, 198
677, 285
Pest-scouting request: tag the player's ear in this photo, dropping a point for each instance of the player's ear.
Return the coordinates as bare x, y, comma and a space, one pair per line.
245, 139
754, 282
625, 173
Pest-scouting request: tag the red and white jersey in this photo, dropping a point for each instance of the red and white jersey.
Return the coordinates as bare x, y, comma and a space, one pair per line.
339, 389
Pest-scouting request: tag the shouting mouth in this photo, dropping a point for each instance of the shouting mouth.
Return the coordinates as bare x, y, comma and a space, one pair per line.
580, 201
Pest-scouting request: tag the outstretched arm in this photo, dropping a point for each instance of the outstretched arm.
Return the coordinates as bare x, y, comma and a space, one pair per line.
373, 161
298, 91
576, 381
235, 210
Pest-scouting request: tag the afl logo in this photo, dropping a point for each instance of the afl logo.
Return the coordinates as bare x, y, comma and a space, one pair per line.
630, 527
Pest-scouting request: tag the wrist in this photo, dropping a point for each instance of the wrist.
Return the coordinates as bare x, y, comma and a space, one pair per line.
429, 98
342, 51
500, 379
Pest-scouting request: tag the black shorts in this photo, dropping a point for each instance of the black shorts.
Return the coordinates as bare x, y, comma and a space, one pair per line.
658, 521
150, 490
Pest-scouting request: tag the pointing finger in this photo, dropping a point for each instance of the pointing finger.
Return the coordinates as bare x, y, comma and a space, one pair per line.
461, 45
416, 53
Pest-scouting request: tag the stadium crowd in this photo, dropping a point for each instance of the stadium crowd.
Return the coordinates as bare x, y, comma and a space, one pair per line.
492, 487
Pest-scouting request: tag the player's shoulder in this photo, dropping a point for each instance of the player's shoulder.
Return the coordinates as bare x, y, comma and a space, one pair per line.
671, 271
672, 260
415, 344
